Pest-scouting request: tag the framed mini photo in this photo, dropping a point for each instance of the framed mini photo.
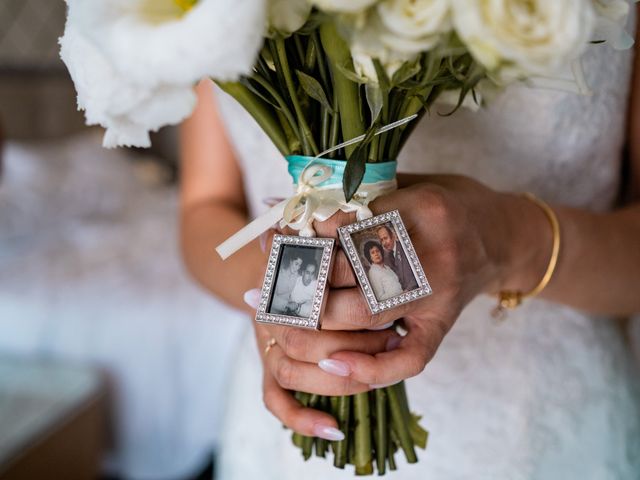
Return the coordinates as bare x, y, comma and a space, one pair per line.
293, 292
384, 261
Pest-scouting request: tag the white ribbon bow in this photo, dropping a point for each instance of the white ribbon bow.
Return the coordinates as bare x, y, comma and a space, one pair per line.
310, 203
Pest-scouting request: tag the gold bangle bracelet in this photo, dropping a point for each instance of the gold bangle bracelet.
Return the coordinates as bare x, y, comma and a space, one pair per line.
510, 299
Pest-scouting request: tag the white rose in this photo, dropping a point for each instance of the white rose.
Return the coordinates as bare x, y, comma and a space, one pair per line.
347, 6
413, 26
610, 23
134, 62
532, 36
287, 16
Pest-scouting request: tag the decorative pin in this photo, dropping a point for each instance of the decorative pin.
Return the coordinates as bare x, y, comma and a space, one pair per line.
384, 261
293, 292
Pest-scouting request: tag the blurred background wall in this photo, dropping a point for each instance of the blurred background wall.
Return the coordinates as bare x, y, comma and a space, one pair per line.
36, 98
112, 362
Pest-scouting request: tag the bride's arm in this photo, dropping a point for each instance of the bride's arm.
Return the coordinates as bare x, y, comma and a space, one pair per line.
212, 205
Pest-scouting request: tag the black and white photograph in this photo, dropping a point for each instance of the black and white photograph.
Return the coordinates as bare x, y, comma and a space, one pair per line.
384, 260
293, 291
296, 281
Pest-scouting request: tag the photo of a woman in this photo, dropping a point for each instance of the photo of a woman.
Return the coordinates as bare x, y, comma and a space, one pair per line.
289, 274
383, 279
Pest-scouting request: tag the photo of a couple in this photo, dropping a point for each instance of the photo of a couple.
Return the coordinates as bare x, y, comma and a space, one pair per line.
383, 256
296, 281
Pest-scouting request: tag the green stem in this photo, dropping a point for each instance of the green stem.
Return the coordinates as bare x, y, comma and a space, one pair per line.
335, 126
311, 56
297, 439
382, 429
299, 49
321, 447
348, 92
260, 111
400, 423
326, 125
340, 448
373, 149
295, 147
280, 101
308, 144
409, 107
392, 460
322, 66
307, 447
362, 457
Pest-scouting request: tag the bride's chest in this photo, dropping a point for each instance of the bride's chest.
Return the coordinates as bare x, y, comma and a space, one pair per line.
562, 146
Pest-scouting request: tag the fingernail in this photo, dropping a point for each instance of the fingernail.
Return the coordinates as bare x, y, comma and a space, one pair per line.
263, 241
328, 433
382, 385
252, 297
272, 201
383, 327
335, 367
393, 343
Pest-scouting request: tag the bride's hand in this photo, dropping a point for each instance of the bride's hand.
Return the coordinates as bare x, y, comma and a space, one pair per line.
470, 240
465, 237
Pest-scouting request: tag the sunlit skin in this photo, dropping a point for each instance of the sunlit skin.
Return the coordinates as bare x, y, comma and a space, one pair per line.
376, 255
386, 239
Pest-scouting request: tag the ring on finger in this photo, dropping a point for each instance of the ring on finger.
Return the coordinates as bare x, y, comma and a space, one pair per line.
270, 344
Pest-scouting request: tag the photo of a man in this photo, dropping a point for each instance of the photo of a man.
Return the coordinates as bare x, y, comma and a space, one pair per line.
301, 298
395, 257
296, 282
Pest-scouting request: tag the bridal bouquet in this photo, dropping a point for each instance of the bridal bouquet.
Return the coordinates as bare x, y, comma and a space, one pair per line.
338, 79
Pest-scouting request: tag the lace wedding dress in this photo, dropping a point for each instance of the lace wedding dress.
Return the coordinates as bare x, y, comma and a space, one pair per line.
547, 394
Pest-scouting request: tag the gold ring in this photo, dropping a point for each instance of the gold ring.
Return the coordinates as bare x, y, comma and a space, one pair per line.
270, 344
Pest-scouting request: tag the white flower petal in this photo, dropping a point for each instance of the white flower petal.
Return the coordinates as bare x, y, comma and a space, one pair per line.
347, 6
134, 62
287, 16
533, 36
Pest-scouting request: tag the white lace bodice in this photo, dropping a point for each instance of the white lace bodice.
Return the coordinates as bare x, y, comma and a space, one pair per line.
547, 395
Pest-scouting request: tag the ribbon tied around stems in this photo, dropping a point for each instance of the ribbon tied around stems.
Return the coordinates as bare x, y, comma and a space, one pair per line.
315, 202
318, 196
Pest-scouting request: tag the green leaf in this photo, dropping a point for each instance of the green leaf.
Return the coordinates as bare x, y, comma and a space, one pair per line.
313, 88
312, 23
374, 100
356, 165
474, 74
350, 74
266, 98
407, 71
383, 79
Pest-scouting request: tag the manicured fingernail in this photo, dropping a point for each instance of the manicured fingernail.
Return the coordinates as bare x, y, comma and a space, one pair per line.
383, 327
328, 433
272, 201
382, 385
263, 241
393, 343
335, 367
252, 297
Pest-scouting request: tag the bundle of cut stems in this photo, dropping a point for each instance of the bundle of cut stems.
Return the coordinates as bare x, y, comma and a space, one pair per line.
376, 425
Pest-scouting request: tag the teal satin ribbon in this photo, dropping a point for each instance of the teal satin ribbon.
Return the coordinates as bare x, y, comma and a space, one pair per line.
374, 172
